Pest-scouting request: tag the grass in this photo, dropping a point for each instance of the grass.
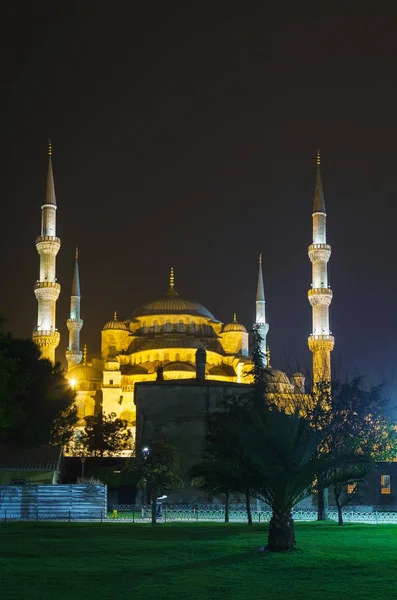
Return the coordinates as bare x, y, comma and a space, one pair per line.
196, 561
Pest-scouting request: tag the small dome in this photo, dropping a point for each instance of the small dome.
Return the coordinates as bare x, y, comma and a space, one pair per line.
234, 326
277, 376
85, 373
115, 324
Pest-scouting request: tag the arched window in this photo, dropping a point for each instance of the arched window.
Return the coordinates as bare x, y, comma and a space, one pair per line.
156, 327
181, 326
177, 357
189, 357
166, 356
167, 326
157, 356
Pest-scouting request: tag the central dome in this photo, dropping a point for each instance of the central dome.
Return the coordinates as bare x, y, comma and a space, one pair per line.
172, 304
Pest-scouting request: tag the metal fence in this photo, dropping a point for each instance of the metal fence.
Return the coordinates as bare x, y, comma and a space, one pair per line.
237, 514
53, 502
88, 503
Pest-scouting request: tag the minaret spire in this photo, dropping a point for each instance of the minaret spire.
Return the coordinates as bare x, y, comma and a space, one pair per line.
321, 342
74, 323
46, 290
260, 320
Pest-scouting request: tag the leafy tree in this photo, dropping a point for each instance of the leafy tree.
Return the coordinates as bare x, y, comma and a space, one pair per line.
35, 397
224, 468
104, 435
357, 421
156, 469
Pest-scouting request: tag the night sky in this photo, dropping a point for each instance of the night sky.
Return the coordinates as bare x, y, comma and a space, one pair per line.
185, 134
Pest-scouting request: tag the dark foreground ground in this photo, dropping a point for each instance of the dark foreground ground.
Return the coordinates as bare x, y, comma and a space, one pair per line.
195, 561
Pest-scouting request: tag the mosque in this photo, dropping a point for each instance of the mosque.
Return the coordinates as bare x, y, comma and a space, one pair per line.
163, 335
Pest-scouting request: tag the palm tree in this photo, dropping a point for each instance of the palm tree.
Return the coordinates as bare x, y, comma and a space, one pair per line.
282, 452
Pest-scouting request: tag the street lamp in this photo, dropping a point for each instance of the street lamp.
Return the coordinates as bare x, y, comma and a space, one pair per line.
145, 454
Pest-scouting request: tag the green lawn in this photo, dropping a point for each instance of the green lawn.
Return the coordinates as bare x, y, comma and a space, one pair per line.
195, 561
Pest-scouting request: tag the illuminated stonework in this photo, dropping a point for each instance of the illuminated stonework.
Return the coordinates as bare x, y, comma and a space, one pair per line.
47, 290
74, 323
321, 342
166, 333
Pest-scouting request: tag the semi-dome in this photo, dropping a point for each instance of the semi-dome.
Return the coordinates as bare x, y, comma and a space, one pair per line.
172, 304
85, 373
115, 324
178, 366
234, 326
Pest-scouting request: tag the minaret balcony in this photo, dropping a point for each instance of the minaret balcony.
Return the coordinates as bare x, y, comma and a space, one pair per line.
48, 244
321, 343
320, 296
319, 252
74, 324
46, 337
47, 290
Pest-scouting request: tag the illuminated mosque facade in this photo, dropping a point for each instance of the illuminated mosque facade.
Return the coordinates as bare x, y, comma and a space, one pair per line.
163, 335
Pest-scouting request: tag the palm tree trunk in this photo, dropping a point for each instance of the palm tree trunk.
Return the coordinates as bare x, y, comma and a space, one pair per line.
248, 506
337, 493
227, 506
281, 532
154, 500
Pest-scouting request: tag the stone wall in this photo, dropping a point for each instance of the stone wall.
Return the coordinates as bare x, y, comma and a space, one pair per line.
180, 410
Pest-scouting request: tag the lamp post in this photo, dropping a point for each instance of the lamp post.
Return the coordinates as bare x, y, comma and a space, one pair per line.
145, 454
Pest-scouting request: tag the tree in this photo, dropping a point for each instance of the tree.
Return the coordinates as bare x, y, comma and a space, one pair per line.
282, 452
104, 435
223, 469
357, 421
35, 397
156, 467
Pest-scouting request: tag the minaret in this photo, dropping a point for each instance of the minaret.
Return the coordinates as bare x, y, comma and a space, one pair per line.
74, 323
46, 290
321, 342
260, 320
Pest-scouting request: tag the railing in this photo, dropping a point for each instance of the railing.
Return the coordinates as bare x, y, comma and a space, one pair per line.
195, 514
46, 332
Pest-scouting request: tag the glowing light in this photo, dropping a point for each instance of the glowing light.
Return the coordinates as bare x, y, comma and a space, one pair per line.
72, 382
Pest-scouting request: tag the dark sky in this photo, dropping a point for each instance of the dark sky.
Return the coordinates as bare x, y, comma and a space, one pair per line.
185, 134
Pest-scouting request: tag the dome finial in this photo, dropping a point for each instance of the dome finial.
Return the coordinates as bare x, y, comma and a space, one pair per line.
115, 316
49, 148
172, 278
234, 318
77, 252
85, 355
260, 258
318, 160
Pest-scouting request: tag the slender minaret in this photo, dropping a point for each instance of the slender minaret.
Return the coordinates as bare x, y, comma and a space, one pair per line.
321, 342
260, 320
74, 323
47, 289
